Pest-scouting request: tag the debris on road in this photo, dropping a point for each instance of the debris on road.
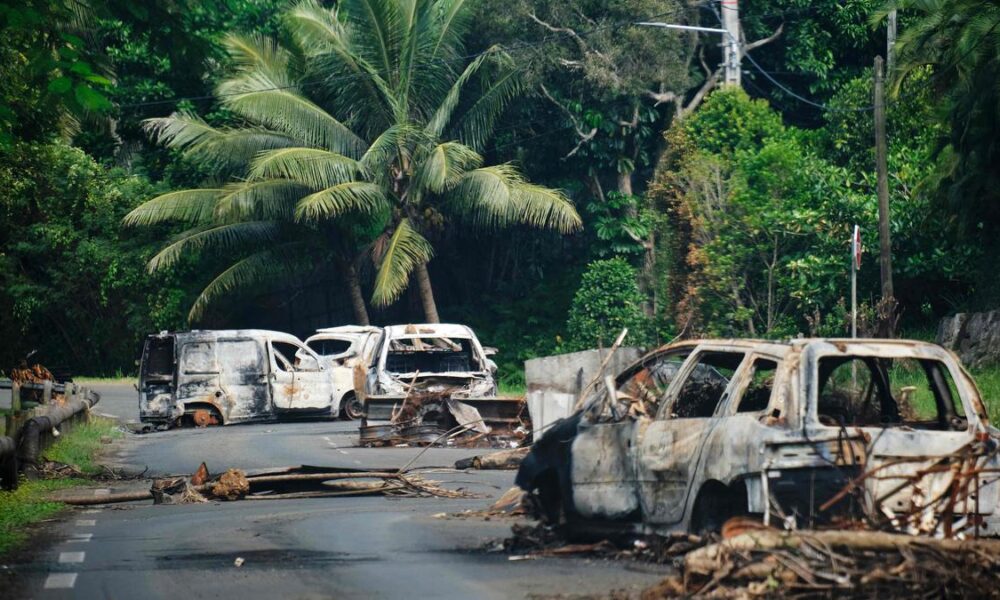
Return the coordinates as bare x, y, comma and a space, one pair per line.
855, 563
231, 485
291, 482
238, 562
502, 460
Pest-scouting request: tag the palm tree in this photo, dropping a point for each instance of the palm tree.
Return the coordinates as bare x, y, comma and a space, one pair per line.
364, 123
960, 41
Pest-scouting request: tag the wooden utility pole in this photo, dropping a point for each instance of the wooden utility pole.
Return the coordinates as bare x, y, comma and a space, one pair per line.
888, 308
890, 41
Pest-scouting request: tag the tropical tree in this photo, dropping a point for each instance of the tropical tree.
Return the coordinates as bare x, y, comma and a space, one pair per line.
960, 41
362, 130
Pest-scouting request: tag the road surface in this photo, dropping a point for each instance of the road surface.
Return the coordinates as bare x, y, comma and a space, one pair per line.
372, 547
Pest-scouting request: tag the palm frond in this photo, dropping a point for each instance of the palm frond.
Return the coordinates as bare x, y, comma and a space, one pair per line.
396, 140
311, 167
444, 165
253, 271
350, 196
258, 99
442, 116
216, 237
498, 196
404, 251
258, 53
185, 206
223, 147
477, 123
376, 27
268, 199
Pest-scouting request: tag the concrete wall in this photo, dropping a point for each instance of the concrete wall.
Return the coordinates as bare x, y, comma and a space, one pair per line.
554, 382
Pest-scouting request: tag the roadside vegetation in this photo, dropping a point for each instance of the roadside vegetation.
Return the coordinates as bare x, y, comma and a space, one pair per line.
264, 164
79, 447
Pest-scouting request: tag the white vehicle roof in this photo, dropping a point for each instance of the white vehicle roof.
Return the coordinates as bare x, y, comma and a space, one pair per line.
448, 330
350, 329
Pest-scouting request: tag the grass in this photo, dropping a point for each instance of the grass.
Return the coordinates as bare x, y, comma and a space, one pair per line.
120, 378
515, 390
27, 505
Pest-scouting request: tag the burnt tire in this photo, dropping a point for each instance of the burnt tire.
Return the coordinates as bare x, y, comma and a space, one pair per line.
351, 407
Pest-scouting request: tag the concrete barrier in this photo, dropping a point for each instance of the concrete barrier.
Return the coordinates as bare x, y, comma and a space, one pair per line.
555, 382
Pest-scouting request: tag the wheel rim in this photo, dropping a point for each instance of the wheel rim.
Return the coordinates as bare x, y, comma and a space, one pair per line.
353, 409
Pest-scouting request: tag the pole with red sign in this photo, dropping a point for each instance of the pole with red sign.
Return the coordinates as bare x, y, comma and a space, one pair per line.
855, 265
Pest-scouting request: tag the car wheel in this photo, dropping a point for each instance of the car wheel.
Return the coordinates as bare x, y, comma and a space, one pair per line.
715, 505
351, 407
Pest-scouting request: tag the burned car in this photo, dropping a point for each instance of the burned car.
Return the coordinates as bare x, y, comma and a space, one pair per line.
809, 432
426, 379
344, 348
231, 376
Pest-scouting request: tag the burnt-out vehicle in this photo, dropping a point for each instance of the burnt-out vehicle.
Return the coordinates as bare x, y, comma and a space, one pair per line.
231, 376
434, 375
343, 348
801, 433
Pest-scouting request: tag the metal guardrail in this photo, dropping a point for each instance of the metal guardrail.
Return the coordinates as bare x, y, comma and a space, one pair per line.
30, 431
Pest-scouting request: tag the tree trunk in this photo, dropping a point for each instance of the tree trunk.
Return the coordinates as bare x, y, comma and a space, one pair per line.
426, 293
625, 183
357, 298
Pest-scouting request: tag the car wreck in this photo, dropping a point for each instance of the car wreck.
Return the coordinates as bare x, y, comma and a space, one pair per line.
806, 433
232, 376
343, 349
426, 380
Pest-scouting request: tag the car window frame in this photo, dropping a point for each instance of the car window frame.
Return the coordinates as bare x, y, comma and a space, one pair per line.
671, 397
743, 379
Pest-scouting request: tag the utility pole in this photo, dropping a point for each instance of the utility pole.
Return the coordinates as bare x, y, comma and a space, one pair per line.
732, 57
890, 41
731, 23
888, 307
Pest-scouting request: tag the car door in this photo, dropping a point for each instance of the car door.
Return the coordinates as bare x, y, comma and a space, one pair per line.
602, 469
298, 382
668, 447
243, 378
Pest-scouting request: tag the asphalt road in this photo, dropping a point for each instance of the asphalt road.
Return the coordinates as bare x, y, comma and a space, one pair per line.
371, 547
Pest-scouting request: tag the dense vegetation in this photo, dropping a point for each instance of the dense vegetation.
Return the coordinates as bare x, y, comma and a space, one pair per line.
239, 163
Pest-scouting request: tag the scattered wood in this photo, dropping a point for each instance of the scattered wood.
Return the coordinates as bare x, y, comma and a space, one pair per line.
502, 460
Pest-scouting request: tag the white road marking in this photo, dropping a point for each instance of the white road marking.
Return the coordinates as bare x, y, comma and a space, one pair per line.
357, 462
86, 522
102, 492
60, 581
72, 557
81, 537
342, 451
92, 511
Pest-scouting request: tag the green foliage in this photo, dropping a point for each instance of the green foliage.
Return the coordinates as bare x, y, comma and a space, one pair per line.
607, 300
390, 146
51, 75
70, 283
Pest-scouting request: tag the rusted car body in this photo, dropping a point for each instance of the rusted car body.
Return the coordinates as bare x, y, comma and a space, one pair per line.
343, 349
801, 433
231, 376
433, 375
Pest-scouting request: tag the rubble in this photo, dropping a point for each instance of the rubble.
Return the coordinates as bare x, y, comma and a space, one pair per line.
502, 460
291, 482
859, 564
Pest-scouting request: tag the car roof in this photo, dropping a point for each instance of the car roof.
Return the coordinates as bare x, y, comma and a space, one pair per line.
429, 329
350, 329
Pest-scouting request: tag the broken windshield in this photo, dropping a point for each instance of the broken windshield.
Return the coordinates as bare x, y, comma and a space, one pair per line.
429, 354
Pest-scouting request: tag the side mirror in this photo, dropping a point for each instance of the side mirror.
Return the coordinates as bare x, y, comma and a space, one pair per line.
492, 366
489, 350
307, 363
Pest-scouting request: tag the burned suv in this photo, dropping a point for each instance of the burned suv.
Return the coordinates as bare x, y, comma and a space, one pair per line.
801, 433
432, 375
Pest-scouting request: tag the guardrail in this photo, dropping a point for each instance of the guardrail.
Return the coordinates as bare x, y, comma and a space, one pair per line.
30, 430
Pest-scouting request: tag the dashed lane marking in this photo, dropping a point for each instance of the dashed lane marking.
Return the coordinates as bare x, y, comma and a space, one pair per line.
92, 511
72, 557
60, 581
86, 522
81, 537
